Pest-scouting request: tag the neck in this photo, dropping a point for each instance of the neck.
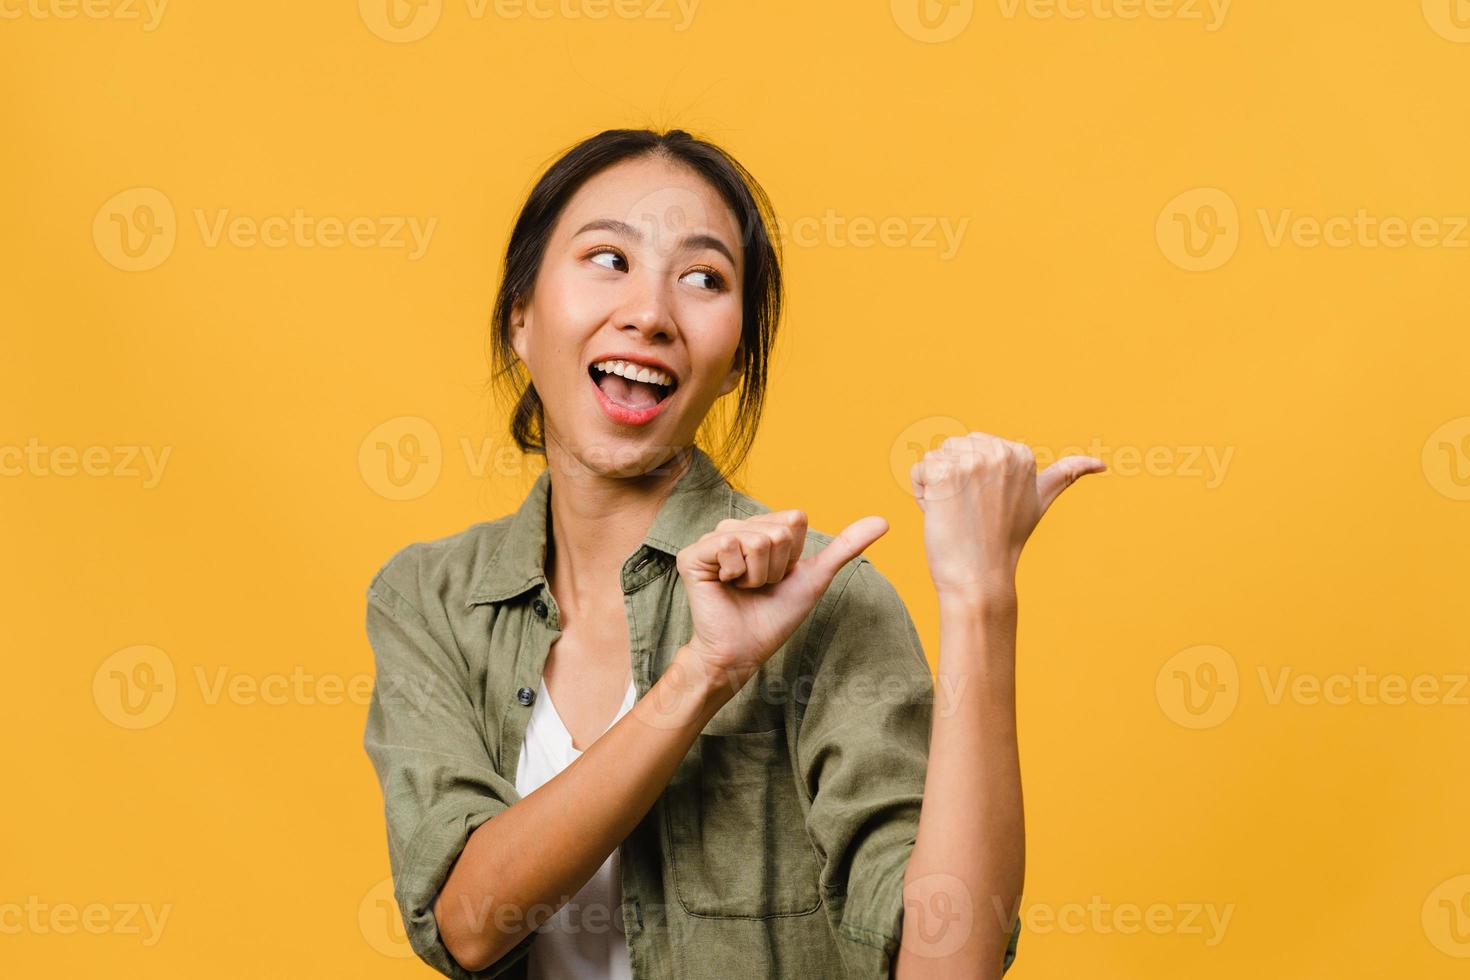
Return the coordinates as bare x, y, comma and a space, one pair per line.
597, 521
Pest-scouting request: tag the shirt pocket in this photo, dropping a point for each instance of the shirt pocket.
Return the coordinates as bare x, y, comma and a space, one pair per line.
737, 838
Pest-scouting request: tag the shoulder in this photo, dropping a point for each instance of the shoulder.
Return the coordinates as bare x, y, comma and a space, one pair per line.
440, 570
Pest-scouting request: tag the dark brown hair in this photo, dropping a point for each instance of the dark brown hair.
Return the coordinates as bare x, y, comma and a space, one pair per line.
762, 292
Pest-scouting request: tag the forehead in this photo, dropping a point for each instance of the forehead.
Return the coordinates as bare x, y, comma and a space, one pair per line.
664, 201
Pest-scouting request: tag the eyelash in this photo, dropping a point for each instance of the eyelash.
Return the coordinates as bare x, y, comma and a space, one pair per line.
719, 280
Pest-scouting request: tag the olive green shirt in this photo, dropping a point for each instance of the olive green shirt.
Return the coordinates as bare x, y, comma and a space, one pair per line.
778, 848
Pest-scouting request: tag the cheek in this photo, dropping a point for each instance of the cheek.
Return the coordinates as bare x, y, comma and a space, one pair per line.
713, 336
564, 304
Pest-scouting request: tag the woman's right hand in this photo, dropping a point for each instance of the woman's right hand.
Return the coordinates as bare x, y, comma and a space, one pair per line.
749, 588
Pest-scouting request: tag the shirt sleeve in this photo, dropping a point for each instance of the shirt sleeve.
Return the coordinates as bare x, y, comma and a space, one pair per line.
429, 750
862, 751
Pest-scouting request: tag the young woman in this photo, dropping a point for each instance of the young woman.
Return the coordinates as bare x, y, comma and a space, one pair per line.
646, 727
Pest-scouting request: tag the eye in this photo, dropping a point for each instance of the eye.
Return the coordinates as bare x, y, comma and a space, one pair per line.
714, 279
612, 253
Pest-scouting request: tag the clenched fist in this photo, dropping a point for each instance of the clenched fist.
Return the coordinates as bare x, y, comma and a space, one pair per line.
749, 588
982, 498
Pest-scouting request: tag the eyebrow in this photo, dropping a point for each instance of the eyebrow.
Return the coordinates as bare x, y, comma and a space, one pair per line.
688, 242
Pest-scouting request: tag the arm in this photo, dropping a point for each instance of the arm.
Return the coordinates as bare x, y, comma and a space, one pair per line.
981, 498
748, 589
542, 850
963, 881
458, 885
463, 891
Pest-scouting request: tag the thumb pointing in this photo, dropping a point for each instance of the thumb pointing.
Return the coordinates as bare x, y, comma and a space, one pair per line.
1062, 474
847, 545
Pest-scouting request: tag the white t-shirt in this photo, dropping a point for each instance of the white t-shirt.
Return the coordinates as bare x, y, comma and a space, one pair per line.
584, 940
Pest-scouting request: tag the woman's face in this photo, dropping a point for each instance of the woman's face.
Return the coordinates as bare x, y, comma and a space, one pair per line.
644, 267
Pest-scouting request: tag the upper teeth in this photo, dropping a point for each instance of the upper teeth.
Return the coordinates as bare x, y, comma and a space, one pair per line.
634, 372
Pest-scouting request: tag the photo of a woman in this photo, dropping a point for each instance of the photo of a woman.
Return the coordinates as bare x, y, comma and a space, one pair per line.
647, 726
546, 483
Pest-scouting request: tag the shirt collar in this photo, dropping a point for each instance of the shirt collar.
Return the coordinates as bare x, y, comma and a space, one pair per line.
699, 500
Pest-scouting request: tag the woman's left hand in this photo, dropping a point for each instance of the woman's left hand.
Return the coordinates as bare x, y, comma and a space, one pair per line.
982, 497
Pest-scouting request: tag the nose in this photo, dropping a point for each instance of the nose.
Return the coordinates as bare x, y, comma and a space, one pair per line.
646, 307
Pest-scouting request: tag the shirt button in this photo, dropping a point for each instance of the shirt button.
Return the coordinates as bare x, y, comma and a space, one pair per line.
525, 696
539, 608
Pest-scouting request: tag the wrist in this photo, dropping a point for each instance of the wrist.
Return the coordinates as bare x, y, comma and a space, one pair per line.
693, 679
988, 598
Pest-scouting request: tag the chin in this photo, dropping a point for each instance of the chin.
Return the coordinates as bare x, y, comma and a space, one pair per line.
629, 457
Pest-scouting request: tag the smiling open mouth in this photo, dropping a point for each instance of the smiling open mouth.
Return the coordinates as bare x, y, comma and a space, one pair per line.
630, 385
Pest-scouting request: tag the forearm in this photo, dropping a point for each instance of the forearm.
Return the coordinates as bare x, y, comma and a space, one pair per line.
544, 848
969, 855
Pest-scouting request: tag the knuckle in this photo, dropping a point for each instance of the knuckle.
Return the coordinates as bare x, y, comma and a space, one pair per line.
955, 444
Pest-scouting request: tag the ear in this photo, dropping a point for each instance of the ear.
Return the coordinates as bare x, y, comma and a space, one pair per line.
737, 371
517, 328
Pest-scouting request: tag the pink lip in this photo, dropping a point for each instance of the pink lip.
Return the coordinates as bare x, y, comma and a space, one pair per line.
625, 415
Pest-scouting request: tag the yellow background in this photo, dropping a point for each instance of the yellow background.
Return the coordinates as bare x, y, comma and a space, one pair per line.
1333, 379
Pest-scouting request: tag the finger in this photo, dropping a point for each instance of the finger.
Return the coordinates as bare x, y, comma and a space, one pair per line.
787, 531
1060, 475
756, 547
918, 477
716, 555
939, 475
798, 541
730, 558
844, 547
